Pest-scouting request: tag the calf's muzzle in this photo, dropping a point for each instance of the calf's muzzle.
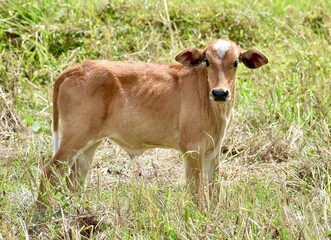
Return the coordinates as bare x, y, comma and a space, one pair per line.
220, 95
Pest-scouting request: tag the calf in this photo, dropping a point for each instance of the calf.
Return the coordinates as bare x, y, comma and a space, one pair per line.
187, 107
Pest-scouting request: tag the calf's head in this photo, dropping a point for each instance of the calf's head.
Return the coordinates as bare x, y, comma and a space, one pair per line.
221, 58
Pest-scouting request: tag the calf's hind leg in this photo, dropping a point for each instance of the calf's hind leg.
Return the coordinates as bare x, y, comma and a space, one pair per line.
81, 166
54, 171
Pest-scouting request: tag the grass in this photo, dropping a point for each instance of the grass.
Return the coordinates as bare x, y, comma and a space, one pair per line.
277, 187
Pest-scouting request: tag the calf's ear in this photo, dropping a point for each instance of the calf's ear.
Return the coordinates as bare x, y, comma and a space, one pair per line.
190, 57
253, 59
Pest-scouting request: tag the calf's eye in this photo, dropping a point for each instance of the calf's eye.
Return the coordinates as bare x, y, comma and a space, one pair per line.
207, 62
235, 64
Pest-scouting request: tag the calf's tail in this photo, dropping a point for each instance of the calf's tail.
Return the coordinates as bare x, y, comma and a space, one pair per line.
56, 134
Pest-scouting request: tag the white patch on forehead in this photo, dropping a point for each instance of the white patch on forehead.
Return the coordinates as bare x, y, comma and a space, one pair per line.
222, 46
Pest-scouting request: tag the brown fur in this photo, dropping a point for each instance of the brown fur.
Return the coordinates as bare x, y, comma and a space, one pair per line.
141, 106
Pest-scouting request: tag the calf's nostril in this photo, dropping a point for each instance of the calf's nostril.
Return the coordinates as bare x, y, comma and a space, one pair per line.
225, 93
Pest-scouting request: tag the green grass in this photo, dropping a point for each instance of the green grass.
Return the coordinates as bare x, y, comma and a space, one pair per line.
277, 187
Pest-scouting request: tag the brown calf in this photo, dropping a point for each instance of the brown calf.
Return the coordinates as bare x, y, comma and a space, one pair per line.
187, 107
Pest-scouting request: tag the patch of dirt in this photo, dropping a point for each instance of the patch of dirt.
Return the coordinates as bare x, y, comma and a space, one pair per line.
112, 164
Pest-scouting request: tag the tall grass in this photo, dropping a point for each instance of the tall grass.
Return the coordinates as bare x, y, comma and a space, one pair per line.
276, 187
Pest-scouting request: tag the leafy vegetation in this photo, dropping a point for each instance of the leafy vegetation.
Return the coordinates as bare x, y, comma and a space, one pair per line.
276, 187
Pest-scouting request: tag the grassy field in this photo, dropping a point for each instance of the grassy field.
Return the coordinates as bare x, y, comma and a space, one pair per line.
277, 187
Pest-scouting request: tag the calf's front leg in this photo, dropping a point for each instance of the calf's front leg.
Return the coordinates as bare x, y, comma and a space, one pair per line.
194, 164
